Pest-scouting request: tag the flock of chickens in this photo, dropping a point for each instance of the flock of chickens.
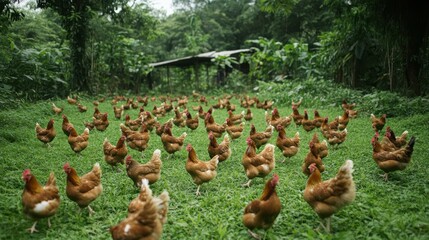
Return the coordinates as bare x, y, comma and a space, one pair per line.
147, 214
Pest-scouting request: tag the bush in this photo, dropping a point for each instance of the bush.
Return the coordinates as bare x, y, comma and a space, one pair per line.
319, 93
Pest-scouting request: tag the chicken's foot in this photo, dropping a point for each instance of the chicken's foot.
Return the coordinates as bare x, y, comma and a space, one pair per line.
327, 228
254, 235
90, 210
247, 184
385, 176
33, 228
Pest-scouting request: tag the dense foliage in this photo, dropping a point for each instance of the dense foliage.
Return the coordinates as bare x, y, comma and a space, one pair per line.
99, 48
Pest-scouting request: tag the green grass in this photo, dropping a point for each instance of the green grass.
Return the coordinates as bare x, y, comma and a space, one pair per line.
382, 210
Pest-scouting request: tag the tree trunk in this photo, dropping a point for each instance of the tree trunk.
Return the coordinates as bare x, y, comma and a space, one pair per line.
78, 37
417, 21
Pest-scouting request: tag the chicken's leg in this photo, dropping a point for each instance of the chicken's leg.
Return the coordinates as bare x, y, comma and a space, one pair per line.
49, 223
90, 210
254, 235
33, 228
328, 225
385, 176
247, 184
198, 191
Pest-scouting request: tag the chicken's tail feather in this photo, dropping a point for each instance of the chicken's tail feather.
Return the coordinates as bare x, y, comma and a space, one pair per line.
410, 146
346, 169
52, 181
97, 169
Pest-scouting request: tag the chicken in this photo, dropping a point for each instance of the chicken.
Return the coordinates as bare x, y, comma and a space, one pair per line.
212, 126
82, 108
307, 124
235, 118
353, 113
71, 101
297, 104
322, 147
97, 114
85, 189
143, 100
265, 104
46, 135
102, 123
277, 120
249, 115
133, 124
137, 140
318, 120
257, 165
158, 111
327, 126
230, 107
78, 143
262, 212
150, 170
390, 161
39, 201
159, 128
261, 138
200, 171
191, 123
223, 149
65, 125
115, 154
149, 120
56, 109
178, 119
288, 146
201, 113
312, 157
89, 125
343, 120
145, 193
328, 197
378, 123
234, 131
397, 141
95, 103
296, 116
183, 101
347, 106
117, 111
148, 219
172, 144
335, 138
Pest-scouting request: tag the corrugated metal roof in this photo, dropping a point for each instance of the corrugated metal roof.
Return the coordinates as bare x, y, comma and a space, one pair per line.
200, 58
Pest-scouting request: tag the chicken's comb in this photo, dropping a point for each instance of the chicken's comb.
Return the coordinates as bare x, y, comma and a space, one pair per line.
189, 147
66, 166
249, 140
26, 172
128, 158
312, 167
275, 179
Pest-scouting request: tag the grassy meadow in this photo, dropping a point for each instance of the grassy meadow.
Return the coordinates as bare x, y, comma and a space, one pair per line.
397, 209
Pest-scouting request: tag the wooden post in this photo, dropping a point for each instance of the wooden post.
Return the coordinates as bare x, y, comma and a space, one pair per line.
197, 79
168, 79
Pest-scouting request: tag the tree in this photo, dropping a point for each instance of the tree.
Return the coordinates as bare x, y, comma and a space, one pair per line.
75, 20
8, 14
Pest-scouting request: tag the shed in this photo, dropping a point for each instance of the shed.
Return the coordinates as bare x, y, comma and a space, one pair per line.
205, 59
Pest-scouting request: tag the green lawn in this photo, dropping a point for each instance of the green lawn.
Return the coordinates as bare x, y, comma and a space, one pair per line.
397, 209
